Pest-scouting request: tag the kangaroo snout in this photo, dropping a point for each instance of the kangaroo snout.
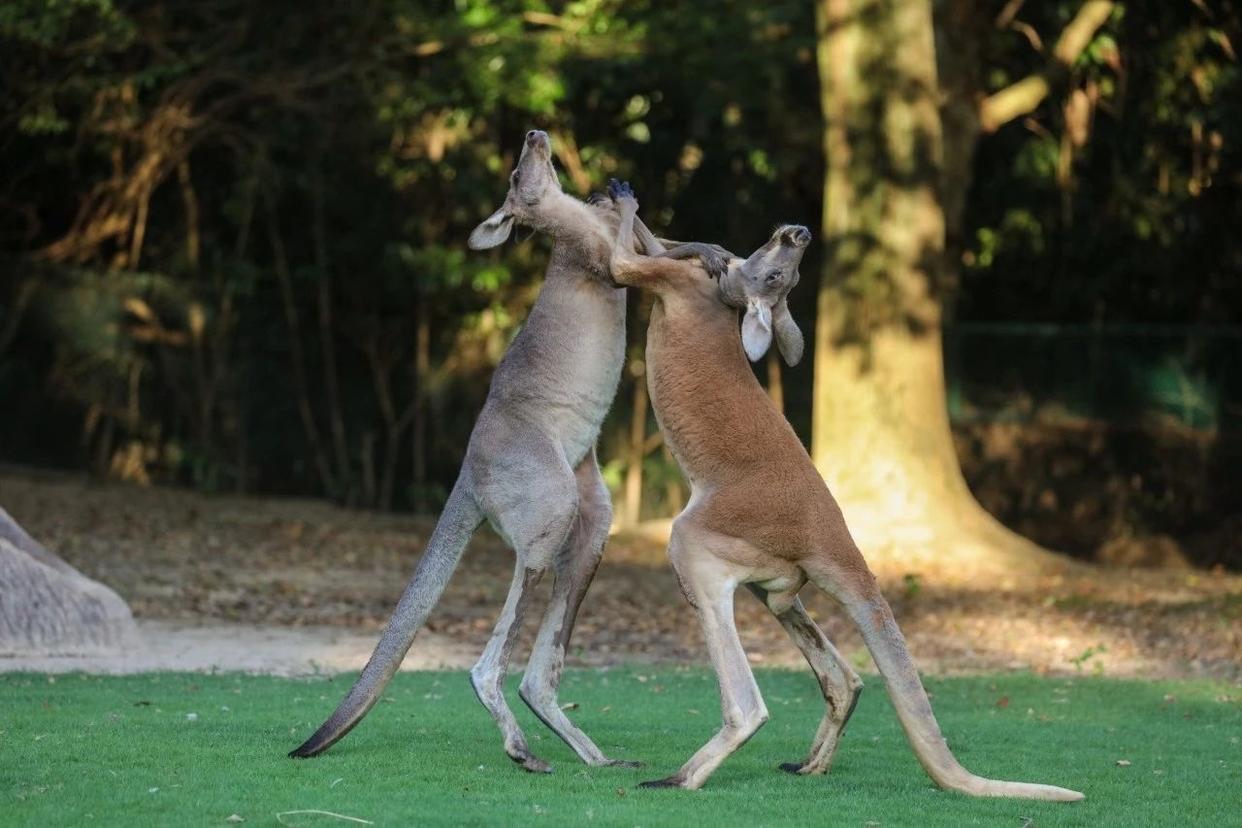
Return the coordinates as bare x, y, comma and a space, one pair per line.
796, 235
537, 137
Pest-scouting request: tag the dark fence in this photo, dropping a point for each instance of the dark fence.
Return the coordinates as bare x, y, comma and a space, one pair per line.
1122, 374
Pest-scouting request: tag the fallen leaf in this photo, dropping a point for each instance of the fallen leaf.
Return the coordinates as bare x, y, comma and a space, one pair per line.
1123, 763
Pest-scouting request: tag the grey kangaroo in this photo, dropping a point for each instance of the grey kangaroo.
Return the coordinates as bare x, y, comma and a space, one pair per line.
530, 466
759, 514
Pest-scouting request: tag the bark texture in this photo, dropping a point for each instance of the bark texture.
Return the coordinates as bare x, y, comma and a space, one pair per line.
881, 429
881, 433
49, 608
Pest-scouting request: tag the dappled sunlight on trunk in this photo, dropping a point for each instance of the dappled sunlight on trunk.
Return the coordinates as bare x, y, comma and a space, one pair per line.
881, 429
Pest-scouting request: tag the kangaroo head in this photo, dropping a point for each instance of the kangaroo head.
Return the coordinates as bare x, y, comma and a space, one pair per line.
532, 184
758, 285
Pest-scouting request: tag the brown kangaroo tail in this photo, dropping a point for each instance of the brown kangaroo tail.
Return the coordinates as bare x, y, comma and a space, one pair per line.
457, 523
883, 638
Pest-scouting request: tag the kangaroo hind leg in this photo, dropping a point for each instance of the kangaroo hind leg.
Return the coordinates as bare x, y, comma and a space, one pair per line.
857, 591
838, 682
709, 584
575, 568
537, 531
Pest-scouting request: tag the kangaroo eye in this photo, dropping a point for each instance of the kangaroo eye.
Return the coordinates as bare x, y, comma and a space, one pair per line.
773, 277
517, 176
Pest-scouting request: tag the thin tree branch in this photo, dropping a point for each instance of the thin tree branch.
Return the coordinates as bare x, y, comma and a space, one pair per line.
567, 150
1021, 98
327, 340
1008, 13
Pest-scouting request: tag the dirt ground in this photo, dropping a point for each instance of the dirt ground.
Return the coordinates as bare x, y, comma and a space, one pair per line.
296, 586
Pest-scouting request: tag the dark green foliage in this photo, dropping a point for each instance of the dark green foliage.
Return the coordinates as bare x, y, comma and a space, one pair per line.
182, 183
1138, 223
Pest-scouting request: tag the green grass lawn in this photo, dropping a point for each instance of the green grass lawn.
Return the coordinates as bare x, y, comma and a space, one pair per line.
176, 749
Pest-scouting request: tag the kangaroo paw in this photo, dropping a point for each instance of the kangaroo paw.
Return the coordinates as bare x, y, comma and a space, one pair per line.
620, 190
803, 768
531, 762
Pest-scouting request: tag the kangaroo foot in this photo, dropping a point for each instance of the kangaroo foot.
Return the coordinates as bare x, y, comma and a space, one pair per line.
530, 762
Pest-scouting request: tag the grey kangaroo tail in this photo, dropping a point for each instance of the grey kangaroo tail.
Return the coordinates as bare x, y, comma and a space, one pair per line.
874, 619
457, 523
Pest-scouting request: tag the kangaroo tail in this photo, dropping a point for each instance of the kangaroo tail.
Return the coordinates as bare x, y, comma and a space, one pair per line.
457, 523
883, 638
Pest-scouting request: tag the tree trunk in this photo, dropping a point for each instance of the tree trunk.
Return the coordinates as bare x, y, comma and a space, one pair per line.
327, 336
280, 264
49, 608
961, 26
881, 429
422, 374
673, 496
637, 448
776, 384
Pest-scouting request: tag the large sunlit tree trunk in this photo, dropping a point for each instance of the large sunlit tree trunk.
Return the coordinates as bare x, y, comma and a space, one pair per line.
881, 430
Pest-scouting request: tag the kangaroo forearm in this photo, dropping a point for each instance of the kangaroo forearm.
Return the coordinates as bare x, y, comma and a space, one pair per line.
686, 250
648, 242
629, 268
713, 257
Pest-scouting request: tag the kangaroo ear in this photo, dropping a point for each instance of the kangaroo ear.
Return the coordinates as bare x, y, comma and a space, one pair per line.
494, 231
788, 337
757, 329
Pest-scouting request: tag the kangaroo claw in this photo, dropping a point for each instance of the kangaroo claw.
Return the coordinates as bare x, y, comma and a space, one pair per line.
532, 763
620, 190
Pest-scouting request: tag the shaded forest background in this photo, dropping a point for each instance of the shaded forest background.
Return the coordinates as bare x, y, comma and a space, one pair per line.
232, 236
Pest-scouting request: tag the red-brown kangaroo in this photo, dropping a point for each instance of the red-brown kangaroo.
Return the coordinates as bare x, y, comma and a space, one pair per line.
760, 514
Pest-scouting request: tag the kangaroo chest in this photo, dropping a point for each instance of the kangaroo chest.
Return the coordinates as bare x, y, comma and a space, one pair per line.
561, 372
691, 395
589, 371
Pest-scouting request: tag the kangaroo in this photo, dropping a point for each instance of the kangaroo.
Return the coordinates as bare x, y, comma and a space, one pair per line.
759, 514
530, 467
